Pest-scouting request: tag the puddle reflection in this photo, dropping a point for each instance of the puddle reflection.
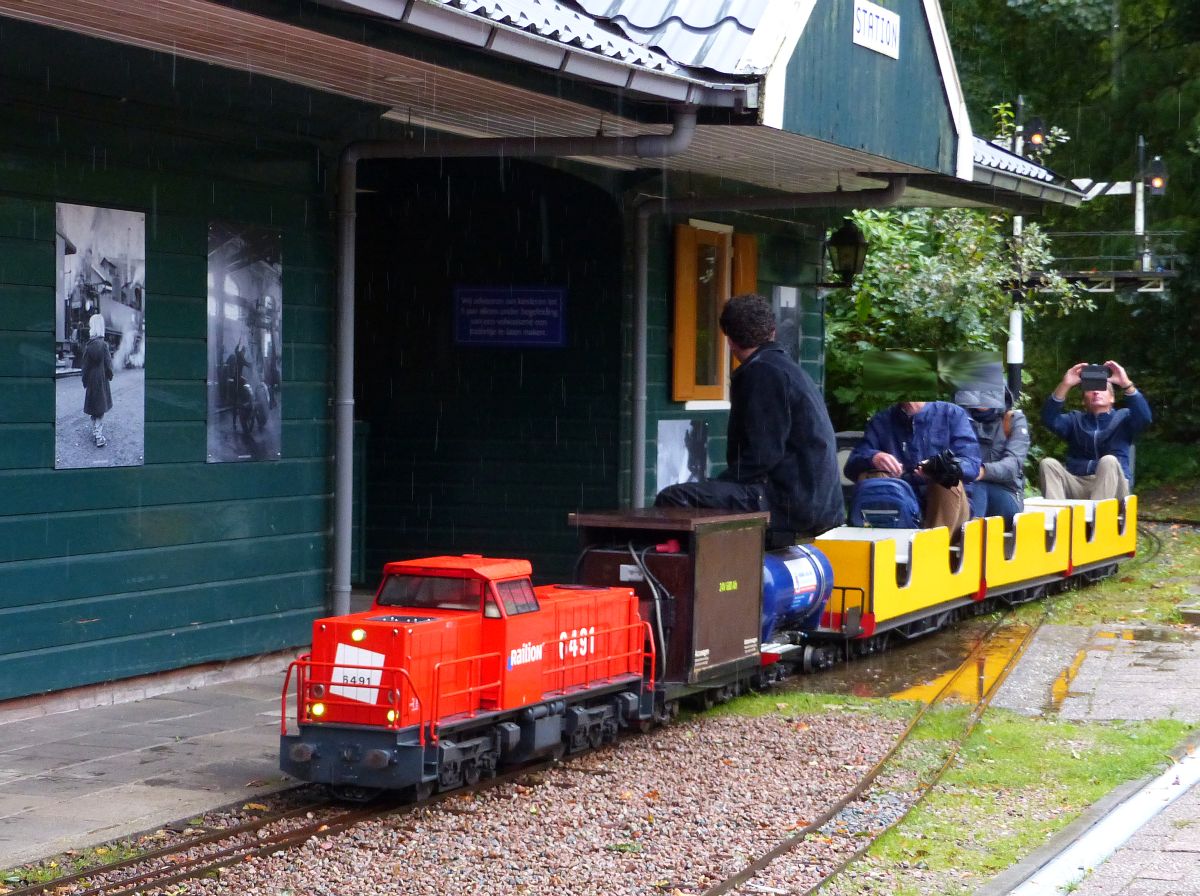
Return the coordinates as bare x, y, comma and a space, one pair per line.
920, 669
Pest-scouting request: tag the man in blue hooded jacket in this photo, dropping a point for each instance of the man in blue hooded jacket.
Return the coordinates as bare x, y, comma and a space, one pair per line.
1099, 438
900, 438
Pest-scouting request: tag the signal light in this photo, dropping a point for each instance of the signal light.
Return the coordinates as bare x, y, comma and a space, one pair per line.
1035, 133
1156, 176
358, 634
316, 710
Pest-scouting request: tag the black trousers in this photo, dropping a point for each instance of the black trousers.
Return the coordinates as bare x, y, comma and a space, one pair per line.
715, 493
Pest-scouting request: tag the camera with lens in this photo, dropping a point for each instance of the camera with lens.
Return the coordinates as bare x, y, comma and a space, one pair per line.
943, 468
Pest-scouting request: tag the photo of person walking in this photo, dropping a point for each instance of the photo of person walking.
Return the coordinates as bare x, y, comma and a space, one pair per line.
100, 337
97, 373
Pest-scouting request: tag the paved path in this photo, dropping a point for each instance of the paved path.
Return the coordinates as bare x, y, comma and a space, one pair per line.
1114, 673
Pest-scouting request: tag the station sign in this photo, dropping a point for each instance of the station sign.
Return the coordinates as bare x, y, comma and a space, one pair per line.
876, 28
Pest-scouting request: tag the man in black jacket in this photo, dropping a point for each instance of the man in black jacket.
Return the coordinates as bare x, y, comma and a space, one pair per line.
781, 451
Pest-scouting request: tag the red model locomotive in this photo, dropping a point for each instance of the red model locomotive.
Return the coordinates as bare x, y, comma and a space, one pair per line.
458, 667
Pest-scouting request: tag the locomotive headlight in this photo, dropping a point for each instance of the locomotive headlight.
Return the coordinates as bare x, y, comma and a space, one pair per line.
391, 716
318, 691
358, 634
316, 710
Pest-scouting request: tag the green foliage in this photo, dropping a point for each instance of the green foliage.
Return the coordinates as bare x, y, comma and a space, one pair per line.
935, 280
1162, 463
1110, 71
1152, 335
1094, 16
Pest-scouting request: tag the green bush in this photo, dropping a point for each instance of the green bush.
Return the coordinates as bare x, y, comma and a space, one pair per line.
1160, 463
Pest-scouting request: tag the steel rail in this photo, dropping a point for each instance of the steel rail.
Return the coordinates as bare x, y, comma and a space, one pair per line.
798, 837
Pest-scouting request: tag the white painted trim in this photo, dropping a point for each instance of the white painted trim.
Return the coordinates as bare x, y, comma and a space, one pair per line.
708, 405
710, 225
797, 13
965, 160
1104, 838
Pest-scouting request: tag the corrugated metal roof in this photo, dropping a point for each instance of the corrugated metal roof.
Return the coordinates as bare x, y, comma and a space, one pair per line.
998, 158
670, 36
712, 35
555, 21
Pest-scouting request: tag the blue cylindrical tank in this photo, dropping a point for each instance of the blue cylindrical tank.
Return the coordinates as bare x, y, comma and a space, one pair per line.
797, 582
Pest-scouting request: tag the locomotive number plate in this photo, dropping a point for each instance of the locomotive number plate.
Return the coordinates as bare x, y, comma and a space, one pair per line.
351, 681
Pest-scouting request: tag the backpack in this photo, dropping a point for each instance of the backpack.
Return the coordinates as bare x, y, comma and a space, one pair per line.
885, 504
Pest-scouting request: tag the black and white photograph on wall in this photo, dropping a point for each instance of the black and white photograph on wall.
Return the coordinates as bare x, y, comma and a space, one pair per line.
785, 302
99, 337
245, 343
682, 452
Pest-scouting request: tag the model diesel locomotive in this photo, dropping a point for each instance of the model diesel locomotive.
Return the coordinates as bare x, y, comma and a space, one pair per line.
458, 667
462, 666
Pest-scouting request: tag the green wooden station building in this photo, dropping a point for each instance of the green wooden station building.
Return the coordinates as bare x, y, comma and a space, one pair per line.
289, 289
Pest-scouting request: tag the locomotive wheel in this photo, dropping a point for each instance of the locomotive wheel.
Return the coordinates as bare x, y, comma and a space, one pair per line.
419, 793
470, 773
350, 793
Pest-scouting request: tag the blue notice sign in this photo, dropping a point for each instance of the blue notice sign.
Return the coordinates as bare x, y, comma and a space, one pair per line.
510, 316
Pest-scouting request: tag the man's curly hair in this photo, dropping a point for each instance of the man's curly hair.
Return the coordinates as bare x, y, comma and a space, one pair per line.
748, 320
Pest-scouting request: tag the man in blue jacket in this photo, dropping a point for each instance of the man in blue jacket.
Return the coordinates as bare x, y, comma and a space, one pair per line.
900, 438
1098, 438
781, 449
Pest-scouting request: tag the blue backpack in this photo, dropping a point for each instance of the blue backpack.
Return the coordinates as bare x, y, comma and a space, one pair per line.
885, 504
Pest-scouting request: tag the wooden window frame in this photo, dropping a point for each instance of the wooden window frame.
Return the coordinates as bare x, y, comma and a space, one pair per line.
737, 273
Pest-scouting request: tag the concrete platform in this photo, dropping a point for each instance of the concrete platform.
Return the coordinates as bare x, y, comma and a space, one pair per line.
97, 764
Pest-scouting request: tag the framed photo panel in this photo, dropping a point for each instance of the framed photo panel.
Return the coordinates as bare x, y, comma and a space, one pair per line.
100, 337
245, 343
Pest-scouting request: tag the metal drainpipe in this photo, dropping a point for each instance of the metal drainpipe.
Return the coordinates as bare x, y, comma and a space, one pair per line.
654, 206
643, 146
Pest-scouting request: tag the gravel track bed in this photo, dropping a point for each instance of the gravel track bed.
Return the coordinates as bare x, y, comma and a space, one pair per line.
671, 812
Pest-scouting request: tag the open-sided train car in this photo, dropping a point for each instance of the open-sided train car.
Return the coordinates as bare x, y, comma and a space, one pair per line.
461, 665
848, 592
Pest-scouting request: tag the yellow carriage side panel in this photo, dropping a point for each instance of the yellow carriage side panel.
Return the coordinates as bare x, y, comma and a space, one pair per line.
1110, 540
933, 575
852, 563
1106, 536
1036, 550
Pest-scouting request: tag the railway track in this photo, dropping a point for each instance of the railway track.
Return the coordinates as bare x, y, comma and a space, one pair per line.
1003, 627
210, 850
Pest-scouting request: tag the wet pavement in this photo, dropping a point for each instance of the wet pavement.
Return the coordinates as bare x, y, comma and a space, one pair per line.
1107, 673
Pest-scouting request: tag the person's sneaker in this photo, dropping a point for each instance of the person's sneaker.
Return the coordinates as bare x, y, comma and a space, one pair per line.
100, 442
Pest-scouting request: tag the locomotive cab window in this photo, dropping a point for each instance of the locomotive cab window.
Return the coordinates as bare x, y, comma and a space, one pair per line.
431, 593
518, 597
